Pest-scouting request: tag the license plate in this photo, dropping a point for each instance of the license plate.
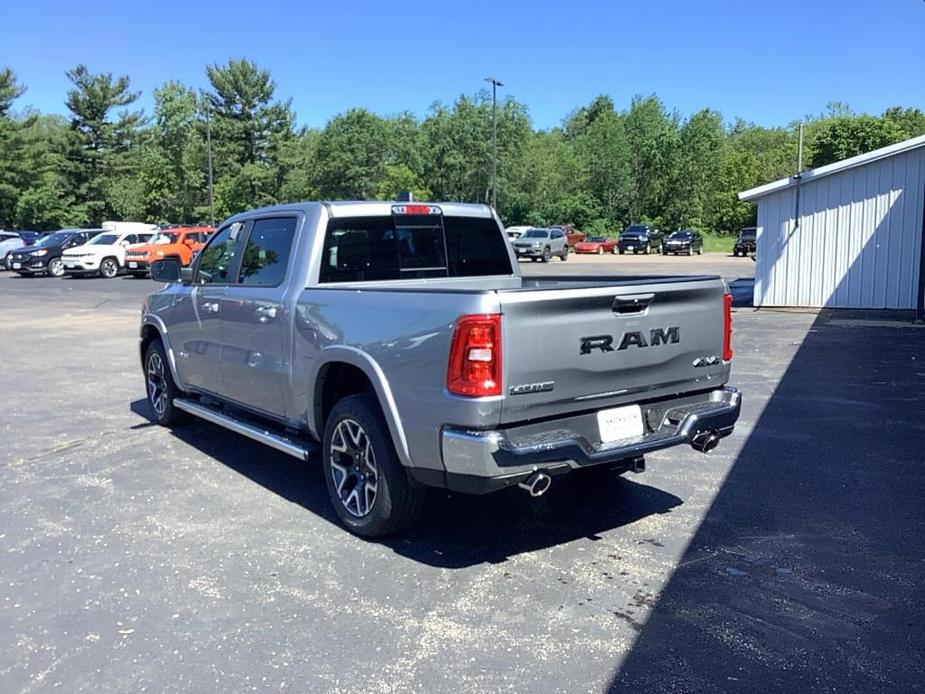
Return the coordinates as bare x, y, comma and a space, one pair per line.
16, 266
629, 248
133, 265
620, 423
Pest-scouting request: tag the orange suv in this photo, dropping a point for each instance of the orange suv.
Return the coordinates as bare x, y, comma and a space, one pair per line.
181, 243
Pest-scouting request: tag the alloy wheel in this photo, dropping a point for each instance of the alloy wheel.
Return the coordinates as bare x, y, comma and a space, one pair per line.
353, 467
109, 268
56, 268
157, 383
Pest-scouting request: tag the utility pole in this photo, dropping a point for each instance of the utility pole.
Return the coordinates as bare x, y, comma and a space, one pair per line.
494, 139
209, 153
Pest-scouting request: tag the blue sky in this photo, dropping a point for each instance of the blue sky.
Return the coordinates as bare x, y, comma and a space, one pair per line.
767, 62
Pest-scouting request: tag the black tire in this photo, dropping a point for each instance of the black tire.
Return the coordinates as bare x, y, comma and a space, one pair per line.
547, 255
620, 251
396, 501
109, 268
160, 387
564, 255
55, 267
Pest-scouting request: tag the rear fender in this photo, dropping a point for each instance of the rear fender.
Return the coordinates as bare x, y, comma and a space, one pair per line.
365, 363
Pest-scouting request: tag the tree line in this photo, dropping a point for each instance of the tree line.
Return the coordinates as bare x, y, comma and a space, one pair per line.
602, 168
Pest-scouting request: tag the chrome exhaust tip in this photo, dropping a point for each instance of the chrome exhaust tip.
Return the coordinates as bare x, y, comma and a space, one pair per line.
536, 484
705, 442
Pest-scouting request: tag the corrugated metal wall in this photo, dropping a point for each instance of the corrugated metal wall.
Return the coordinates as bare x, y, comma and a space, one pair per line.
858, 242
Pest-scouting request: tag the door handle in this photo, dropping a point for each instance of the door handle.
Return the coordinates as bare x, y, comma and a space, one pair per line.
210, 306
266, 313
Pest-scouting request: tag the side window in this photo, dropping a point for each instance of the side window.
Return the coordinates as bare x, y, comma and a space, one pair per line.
556, 234
217, 260
263, 263
131, 238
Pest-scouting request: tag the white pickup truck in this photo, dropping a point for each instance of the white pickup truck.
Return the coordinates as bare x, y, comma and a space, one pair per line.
104, 254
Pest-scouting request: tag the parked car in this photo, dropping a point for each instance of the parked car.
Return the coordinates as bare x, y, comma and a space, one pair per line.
44, 256
9, 241
542, 244
180, 243
686, 241
30, 237
104, 254
747, 241
597, 244
398, 346
515, 232
572, 234
640, 238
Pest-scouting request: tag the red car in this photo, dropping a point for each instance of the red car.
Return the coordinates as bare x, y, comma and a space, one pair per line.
597, 244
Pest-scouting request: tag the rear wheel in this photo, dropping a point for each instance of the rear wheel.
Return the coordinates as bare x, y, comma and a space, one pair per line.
564, 255
368, 486
160, 386
56, 267
109, 268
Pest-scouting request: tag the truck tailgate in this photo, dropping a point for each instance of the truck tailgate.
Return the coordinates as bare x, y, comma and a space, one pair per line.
572, 349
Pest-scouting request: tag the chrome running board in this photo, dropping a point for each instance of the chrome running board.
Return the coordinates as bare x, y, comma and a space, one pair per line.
298, 449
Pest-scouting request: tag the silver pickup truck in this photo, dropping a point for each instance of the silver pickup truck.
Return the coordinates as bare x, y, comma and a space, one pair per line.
398, 344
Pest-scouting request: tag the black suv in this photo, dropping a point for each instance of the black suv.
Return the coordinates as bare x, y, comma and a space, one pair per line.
640, 238
745, 244
44, 256
686, 241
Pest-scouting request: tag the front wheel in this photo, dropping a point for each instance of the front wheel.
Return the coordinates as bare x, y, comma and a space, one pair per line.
368, 486
56, 267
547, 255
160, 386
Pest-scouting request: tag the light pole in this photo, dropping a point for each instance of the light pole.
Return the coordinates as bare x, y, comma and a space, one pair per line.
209, 153
494, 139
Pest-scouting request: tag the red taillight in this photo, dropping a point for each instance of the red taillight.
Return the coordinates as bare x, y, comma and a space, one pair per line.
727, 327
416, 209
474, 367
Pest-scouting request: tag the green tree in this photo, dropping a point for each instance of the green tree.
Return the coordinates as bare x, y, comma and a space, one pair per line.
849, 135
101, 144
251, 132
171, 174
653, 140
910, 122
351, 156
694, 179
10, 90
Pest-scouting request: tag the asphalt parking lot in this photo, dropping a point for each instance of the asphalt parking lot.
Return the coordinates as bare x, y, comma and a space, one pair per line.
134, 557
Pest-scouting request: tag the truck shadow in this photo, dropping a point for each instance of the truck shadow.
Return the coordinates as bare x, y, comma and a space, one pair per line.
456, 530
805, 573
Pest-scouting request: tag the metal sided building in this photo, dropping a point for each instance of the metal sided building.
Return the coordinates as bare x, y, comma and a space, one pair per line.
845, 235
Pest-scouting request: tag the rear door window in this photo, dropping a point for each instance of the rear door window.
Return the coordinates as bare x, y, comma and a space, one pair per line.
266, 254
